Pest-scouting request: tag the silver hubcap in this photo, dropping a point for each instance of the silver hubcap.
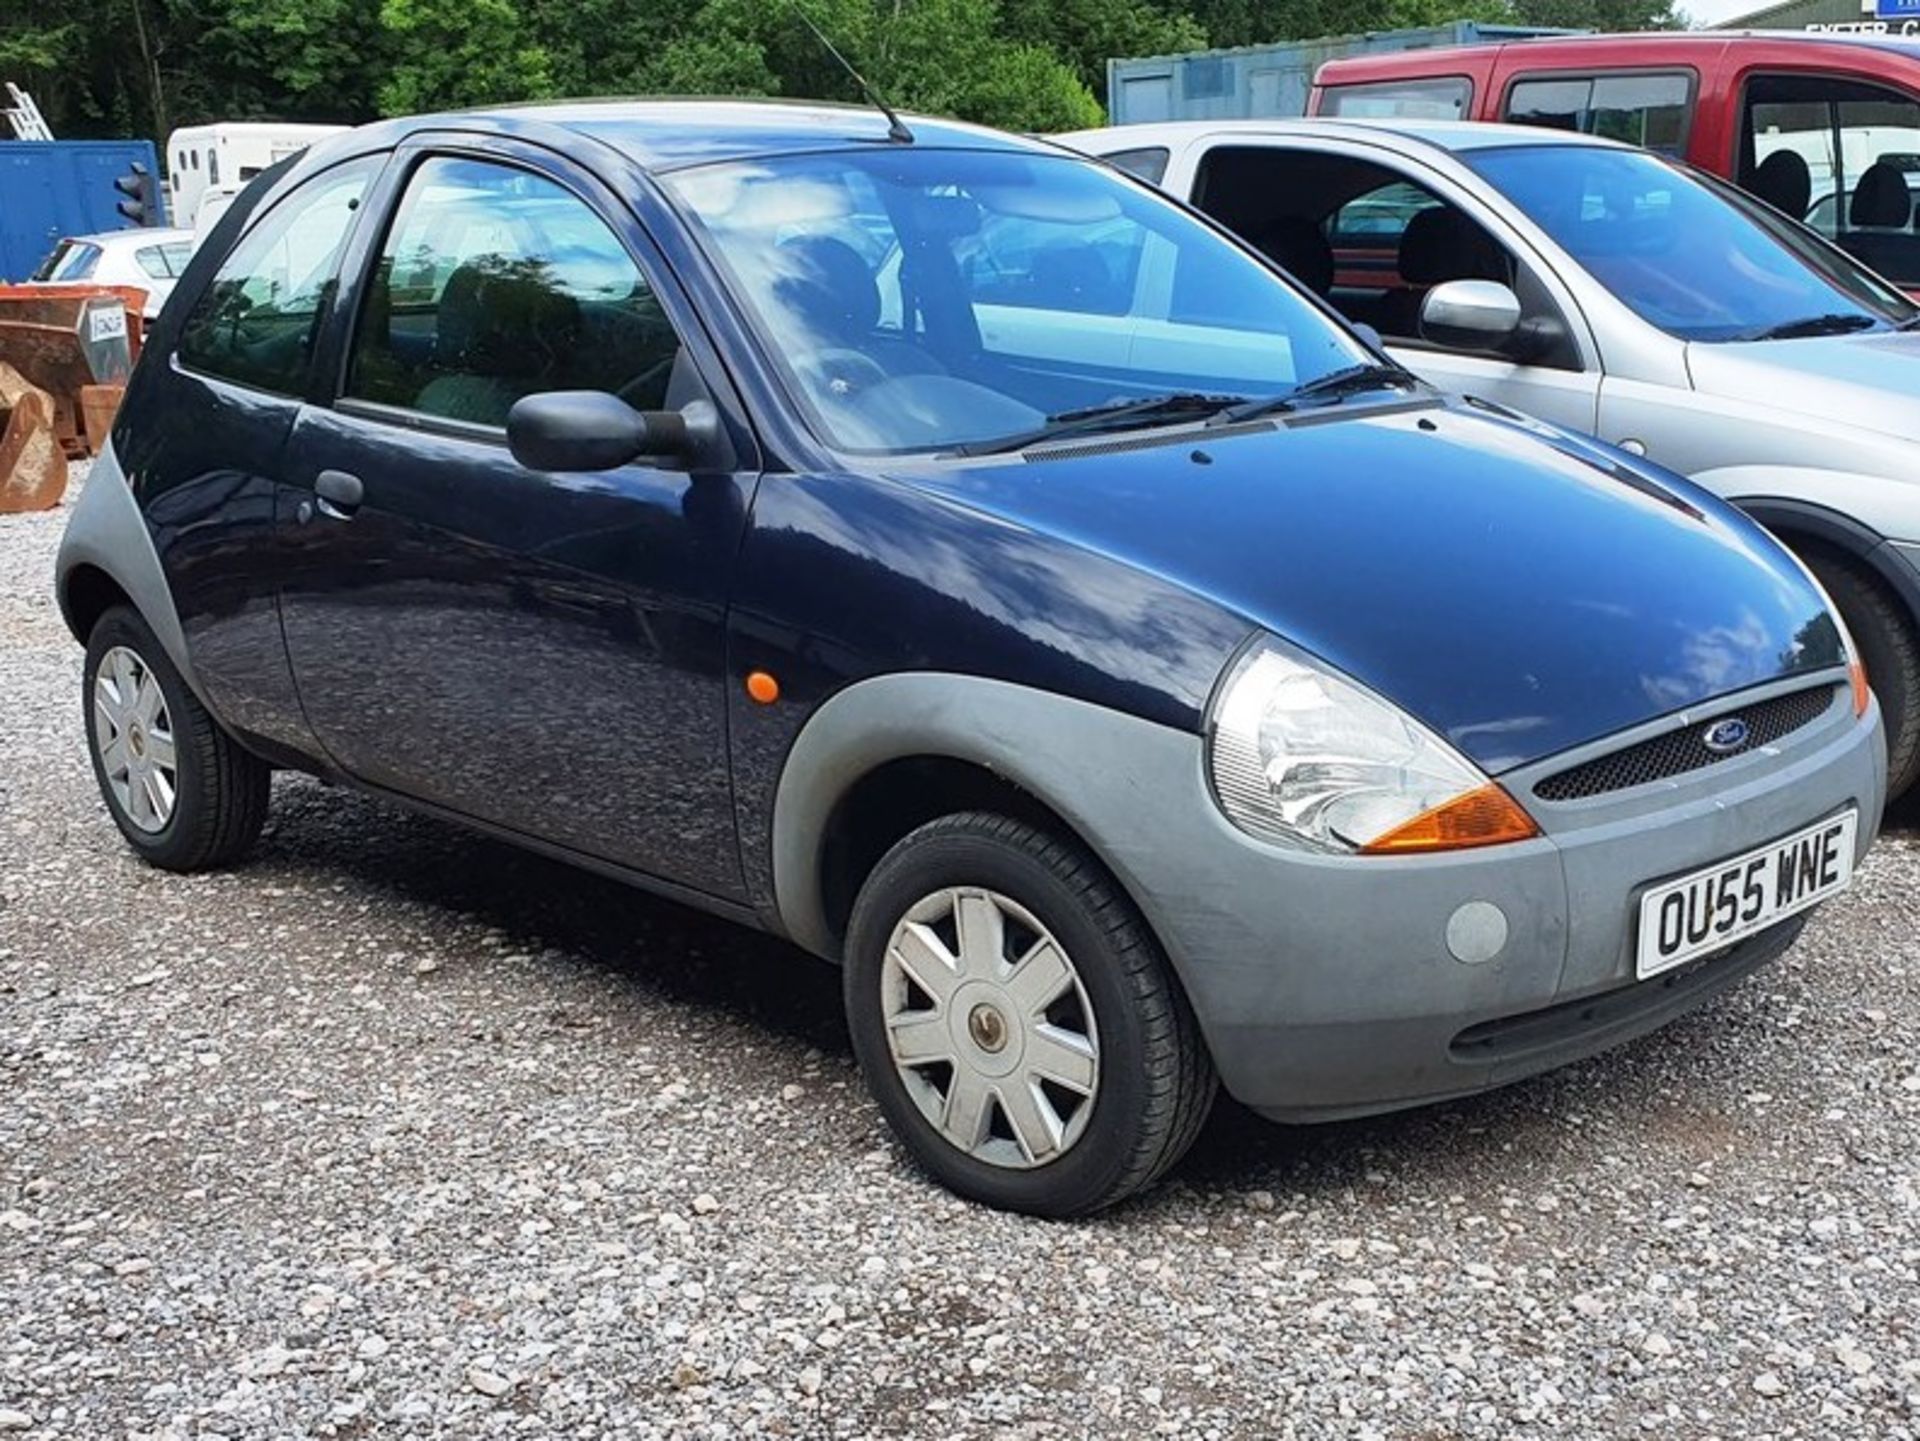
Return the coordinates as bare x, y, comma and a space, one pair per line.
990, 1027
134, 734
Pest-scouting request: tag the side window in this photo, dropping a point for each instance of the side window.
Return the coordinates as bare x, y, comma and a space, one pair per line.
1842, 155
256, 323
1652, 111
1148, 163
1443, 98
1056, 265
496, 283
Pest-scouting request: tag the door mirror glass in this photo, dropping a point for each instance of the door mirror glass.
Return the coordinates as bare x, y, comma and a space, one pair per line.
577, 430
1470, 314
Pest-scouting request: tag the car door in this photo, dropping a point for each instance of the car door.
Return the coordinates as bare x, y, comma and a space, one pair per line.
1368, 209
1384, 237
224, 388
540, 652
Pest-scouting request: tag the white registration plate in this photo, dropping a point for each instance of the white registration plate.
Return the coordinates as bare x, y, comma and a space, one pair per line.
1711, 909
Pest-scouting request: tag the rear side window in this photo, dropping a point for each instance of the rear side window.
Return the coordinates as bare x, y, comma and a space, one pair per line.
1652, 111
496, 283
71, 260
1445, 97
256, 323
1148, 163
163, 262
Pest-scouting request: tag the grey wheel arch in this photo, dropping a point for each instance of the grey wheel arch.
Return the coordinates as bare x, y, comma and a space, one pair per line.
1090, 765
1881, 558
107, 533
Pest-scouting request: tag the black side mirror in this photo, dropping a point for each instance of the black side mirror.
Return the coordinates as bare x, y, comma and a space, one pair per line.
592, 430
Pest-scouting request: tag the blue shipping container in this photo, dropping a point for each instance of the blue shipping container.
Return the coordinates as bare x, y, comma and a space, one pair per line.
54, 188
1262, 82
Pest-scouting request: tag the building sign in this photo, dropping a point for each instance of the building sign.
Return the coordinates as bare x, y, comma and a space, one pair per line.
1903, 21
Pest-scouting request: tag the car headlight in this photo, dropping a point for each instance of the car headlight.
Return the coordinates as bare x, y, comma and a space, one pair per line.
1304, 757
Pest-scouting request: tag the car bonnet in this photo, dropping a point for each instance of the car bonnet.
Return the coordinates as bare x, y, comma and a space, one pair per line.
1867, 380
1516, 589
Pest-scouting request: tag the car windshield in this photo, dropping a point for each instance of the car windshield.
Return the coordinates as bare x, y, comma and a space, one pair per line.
1688, 255
923, 300
70, 260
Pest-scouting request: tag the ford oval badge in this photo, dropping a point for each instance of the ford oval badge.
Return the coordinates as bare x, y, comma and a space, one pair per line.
1725, 736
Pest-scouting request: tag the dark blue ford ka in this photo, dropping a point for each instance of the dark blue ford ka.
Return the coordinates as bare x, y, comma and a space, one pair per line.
949, 554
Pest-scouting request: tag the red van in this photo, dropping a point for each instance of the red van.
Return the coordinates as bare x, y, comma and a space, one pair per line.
1824, 126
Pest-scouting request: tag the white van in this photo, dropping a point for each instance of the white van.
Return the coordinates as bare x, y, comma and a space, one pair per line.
216, 161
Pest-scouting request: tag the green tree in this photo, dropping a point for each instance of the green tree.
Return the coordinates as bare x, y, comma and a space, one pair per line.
454, 53
1609, 15
1088, 33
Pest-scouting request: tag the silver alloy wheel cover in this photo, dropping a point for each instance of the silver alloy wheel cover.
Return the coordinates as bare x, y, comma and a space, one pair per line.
133, 733
987, 1028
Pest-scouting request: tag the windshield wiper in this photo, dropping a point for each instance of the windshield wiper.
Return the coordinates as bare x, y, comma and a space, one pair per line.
1328, 389
1114, 415
1817, 325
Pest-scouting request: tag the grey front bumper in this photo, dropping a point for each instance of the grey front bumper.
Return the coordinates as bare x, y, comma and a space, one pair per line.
1326, 987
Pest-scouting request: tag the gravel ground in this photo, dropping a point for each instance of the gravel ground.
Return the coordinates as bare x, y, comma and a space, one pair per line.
398, 1132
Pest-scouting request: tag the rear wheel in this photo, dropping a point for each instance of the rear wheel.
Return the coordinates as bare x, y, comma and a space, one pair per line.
1891, 654
183, 793
1017, 1022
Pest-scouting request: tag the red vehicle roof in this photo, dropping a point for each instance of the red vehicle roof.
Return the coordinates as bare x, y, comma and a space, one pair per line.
1616, 51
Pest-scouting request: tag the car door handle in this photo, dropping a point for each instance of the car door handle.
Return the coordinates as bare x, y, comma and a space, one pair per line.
338, 494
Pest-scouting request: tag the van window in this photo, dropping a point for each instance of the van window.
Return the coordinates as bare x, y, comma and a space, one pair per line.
1445, 97
256, 323
1646, 110
213, 167
1843, 156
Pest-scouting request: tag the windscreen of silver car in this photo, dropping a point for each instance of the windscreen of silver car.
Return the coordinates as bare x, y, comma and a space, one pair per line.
938, 300
1697, 259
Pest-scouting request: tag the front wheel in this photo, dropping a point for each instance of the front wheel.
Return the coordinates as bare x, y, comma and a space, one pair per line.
1017, 1022
183, 793
1891, 654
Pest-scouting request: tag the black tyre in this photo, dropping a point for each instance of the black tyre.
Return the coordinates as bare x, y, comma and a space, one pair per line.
1888, 649
1017, 1022
183, 793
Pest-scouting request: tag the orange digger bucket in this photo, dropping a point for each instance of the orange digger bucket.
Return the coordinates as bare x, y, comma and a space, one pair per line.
76, 343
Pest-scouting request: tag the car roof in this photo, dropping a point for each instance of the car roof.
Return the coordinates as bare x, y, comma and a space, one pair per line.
1399, 133
134, 235
1626, 48
669, 134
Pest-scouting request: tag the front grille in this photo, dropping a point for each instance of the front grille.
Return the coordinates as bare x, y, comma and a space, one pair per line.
1679, 751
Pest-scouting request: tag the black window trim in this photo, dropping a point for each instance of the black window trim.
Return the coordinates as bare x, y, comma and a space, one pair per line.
329, 291
1690, 74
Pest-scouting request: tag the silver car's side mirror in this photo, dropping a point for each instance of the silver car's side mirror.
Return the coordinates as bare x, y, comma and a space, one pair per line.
1470, 314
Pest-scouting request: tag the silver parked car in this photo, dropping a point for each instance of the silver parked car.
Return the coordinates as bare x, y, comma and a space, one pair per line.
148, 259
1618, 293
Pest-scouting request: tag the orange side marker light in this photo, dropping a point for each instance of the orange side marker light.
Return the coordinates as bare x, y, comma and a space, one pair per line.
762, 687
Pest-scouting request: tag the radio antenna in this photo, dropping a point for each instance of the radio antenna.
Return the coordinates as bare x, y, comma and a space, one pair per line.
896, 131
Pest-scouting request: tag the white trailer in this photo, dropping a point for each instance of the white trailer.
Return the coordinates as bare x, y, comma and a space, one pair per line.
213, 163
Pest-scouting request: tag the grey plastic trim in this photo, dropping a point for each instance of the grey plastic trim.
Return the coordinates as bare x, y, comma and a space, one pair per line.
1079, 759
107, 531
